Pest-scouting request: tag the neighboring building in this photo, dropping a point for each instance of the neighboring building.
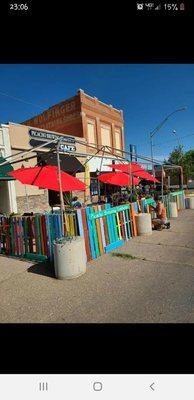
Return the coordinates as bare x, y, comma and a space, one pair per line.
8, 202
85, 117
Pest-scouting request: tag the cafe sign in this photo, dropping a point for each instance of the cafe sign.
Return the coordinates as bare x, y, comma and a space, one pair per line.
40, 137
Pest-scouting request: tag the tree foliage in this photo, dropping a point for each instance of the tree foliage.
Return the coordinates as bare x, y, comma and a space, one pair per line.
185, 159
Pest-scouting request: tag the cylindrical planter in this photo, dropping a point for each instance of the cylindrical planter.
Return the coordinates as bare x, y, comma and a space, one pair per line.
191, 203
69, 257
144, 224
187, 202
173, 210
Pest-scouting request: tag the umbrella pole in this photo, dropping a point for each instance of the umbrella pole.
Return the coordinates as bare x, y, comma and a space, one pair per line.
62, 206
27, 200
162, 191
130, 174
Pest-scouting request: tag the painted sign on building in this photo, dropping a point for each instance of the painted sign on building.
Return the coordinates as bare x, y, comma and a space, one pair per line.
57, 115
39, 137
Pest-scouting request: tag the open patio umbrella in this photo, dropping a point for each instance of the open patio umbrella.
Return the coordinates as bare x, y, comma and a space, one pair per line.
117, 179
136, 170
47, 177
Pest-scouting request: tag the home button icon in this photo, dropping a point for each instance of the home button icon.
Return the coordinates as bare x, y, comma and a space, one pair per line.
97, 386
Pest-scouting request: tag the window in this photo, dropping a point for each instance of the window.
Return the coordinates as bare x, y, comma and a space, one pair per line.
91, 132
117, 139
106, 135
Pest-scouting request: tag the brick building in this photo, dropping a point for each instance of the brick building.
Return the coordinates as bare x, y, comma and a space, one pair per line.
85, 117
81, 117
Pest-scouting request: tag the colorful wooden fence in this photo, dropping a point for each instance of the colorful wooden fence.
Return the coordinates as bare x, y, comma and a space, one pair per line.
179, 197
32, 236
103, 227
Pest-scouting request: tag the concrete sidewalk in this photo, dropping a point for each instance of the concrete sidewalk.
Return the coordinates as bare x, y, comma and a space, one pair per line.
156, 286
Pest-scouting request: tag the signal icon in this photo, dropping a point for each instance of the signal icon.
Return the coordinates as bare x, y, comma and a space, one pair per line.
157, 8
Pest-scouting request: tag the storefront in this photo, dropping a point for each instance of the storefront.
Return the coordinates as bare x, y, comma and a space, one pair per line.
87, 126
7, 185
17, 138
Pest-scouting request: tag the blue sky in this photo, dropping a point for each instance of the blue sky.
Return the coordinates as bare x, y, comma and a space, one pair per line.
145, 92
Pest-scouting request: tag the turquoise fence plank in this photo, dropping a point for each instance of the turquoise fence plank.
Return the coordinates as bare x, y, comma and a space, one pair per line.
180, 192
95, 234
48, 237
90, 233
109, 224
114, 225
56, 226
114, 245
149, 201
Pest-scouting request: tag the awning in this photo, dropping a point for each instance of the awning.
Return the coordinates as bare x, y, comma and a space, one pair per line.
4, 169
69, 164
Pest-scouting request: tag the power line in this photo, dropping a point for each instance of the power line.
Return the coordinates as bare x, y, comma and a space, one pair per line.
173, 140
21, 100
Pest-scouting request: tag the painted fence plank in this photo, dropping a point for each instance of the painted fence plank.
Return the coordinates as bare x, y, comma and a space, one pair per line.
98, 229
80, 222
109, 224
125, 225
102, 229
114, 245
90, 233
86, 234
94, 232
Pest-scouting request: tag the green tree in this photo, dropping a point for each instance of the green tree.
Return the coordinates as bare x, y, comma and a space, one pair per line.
184, 159
177, 156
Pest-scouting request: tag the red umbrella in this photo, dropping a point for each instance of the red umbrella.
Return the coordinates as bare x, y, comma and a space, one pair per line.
47, 177
136, 170
118, 179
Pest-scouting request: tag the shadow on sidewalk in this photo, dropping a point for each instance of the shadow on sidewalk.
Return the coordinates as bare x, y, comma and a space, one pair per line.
43, 268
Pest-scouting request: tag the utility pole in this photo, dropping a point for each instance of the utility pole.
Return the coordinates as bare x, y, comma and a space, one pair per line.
62, 206
158, 127
133, 153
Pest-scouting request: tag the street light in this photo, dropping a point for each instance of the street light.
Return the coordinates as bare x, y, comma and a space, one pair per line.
181, 156
157, 129
178, 140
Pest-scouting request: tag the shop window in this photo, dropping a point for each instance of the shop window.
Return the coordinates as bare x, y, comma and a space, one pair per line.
117, 139
91, 135
106, 135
